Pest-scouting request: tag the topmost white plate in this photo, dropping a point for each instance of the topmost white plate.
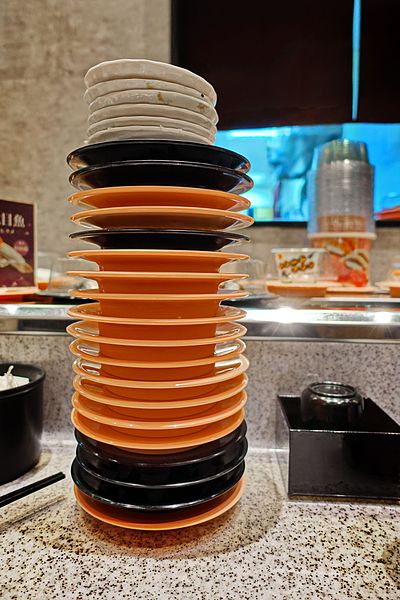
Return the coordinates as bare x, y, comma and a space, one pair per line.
148, 69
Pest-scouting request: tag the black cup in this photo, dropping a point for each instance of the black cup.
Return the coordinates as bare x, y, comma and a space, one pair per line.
21, 422
331, 404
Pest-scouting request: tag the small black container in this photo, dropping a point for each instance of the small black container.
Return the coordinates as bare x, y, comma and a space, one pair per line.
21, 422
337, 451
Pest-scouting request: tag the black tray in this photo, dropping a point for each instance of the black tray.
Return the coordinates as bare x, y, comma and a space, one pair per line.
160, 239
120, 496
356, 461
121, 151
158, 172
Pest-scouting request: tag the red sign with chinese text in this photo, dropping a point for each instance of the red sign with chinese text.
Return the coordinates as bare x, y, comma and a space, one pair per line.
17, 244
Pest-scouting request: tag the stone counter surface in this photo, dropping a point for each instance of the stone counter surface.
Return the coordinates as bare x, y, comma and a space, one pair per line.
265, 548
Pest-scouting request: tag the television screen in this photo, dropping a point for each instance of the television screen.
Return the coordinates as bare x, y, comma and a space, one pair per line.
282, 156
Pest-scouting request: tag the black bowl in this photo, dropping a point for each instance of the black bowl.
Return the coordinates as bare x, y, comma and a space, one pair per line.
158, 172
160, 239
123, 465
164, 477
21, 422
126, 150
148, 499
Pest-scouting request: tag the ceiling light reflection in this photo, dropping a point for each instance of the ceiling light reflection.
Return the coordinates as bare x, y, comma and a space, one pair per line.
382, 317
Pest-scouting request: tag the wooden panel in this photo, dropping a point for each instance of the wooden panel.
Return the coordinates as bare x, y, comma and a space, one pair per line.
272, 63
379, 61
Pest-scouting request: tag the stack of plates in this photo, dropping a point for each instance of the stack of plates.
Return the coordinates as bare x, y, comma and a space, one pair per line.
133, 98
160, 374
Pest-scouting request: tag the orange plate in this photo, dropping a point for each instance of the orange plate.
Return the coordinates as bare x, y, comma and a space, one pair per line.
351, 289
296, 289
161, 521
166, 389
150, 423
91, 312
158, 260
108, 435
151, 195
126, 282
98, 393
221, 371
117, 327
394, 288
91, 352
151, 306
162, 217
153, 371
157, 350
13, 294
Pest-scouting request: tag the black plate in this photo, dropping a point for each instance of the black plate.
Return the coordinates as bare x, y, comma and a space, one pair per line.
153, 500
253, 300
164, 477
109, 457
61, 299
121, 151
159, 239
174, 477
158, 172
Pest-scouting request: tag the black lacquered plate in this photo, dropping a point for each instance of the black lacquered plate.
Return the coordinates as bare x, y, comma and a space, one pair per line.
174, 477
157, 239
164, 477
157, 172
121, 496
127, 150
121, 462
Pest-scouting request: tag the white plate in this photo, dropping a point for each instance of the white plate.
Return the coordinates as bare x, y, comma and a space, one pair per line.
155, 97
151, 122
119, 85
149, 110
148, 69
146, 133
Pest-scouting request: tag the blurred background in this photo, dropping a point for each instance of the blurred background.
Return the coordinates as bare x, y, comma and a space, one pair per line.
288, 78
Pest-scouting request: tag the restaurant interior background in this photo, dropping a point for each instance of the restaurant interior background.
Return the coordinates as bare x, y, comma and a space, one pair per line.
288, 538
47, 47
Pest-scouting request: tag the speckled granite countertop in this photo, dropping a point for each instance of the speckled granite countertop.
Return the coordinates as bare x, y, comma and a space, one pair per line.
265, 548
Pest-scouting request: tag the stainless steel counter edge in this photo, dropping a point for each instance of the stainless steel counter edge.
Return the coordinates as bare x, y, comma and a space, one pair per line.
285, 322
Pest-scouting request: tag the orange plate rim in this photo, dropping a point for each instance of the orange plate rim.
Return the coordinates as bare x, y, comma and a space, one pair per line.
238, 330
241, 365
228, 502
100, 396
108, 435
198, 362
81, 312
210, 415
